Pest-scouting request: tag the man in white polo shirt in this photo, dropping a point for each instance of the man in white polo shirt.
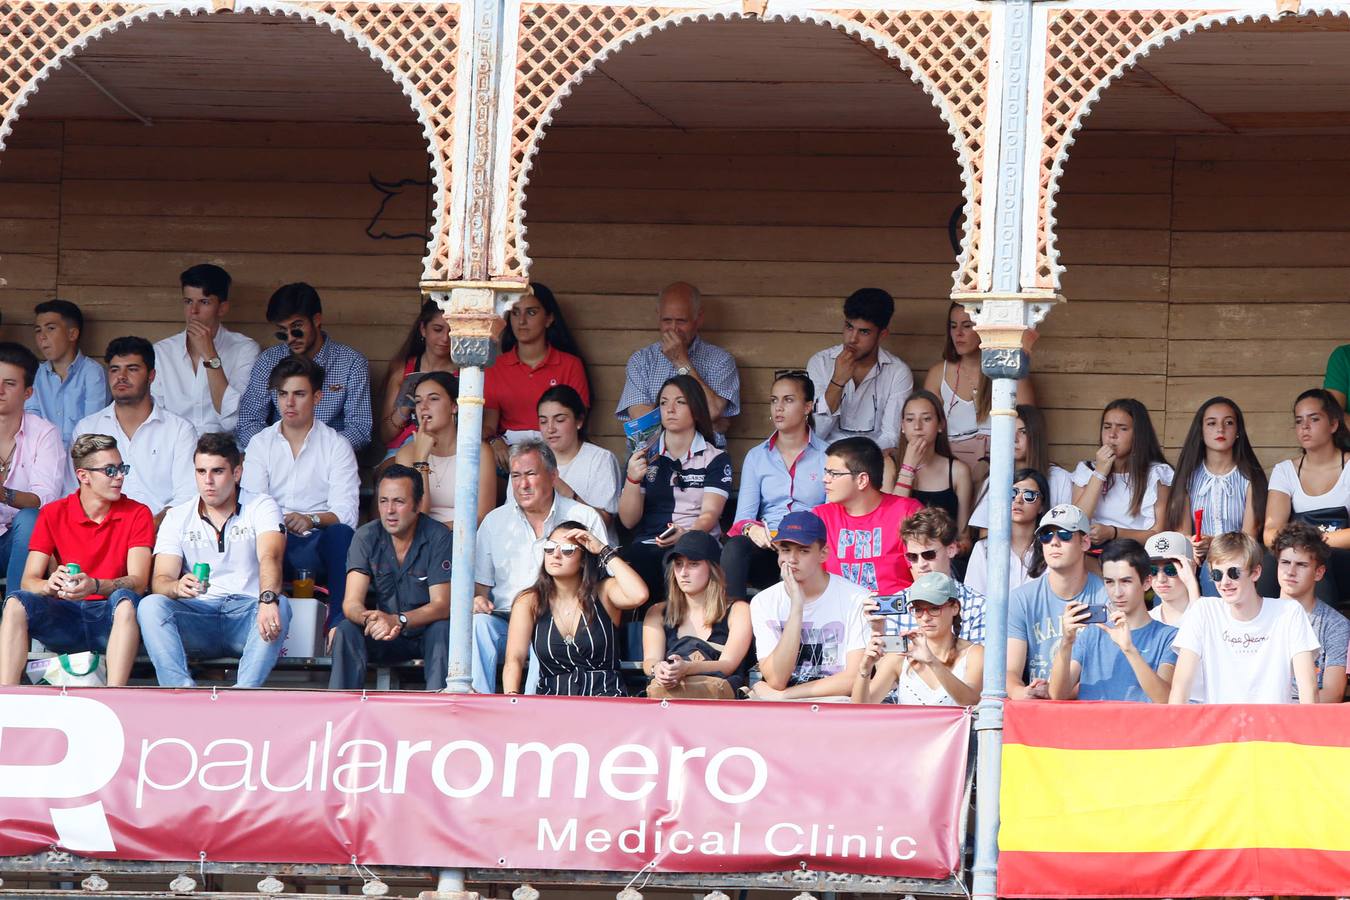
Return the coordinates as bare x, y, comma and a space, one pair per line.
311, 471
237, 608
204, 368
157, 444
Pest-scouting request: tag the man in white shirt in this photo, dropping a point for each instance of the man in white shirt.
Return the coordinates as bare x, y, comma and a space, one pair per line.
311, 471
1249, 648
157, 444
860, 386
237, 609
204, 368
510, 551
810, 633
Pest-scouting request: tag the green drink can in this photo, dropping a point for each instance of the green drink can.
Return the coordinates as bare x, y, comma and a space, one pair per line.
202, 572
73, 568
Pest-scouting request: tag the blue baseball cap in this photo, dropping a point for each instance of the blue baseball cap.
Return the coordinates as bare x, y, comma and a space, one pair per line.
802, 527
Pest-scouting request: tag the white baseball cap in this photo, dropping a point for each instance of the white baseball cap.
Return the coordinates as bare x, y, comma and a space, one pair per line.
1169, 545
1066, 516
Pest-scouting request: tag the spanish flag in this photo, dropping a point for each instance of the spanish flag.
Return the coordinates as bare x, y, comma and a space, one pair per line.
1142, 800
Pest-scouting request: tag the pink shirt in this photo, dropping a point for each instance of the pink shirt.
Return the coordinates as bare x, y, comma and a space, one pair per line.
867, 550
38, 465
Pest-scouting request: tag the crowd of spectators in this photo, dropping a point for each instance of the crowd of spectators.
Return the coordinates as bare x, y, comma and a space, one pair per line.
174, 501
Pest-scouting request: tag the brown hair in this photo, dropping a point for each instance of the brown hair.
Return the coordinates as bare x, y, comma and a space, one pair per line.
1302, 537
983, 388
930, 523
715, 604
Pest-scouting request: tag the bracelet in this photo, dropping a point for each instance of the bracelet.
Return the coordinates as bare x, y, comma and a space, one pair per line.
1115, 533
836, 384
1099, 476
607, 556
422, 466
630, 480
906, 467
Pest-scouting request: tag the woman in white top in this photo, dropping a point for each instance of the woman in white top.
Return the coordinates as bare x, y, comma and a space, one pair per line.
928, 471
965, 390
432, 449
1031, 450
586, 473
1315, 488
1029, 503
939, 669
1124, 490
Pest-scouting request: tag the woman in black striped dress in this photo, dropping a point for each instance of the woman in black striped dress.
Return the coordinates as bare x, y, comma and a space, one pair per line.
569, 616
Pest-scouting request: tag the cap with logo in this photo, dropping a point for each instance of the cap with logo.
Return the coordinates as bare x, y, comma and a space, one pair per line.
933, 587
1065, 516
1169, 545
801, 527
697, 546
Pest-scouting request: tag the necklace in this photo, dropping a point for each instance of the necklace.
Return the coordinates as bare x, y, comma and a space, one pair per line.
5, 461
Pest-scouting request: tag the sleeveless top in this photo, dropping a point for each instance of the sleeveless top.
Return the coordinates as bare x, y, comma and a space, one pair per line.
961, 421
1222, 497
585, 665
684, 645
943, 499
410, 365
911, 690
441, 489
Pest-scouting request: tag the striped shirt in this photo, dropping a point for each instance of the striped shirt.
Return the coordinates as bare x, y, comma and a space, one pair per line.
344, 405
972, 615
1222, 497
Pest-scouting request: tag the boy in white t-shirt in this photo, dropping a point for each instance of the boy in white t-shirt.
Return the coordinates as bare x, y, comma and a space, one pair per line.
1250, 649
810, 633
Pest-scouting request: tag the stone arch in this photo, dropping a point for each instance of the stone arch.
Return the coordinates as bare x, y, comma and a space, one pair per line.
407, 42
917, 42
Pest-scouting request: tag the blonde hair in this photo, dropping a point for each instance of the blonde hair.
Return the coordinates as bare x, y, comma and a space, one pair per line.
1236, 545
86, 445
714, 598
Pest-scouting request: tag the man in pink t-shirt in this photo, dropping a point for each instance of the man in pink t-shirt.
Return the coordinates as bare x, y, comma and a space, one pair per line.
863, 523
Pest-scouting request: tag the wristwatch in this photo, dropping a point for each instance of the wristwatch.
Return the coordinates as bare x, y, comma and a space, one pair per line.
682, 370
314, 520
402, 620
267, 598
212, 363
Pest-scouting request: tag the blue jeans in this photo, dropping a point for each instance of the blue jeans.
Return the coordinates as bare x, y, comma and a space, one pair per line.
173, 629
72, 626
353, 651
489, 644
14, 547
324, 552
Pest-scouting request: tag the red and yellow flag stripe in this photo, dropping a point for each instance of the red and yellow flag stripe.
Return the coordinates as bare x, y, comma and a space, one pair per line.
1138, 800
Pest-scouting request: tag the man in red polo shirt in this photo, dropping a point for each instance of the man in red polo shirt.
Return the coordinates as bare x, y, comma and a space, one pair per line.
109, 538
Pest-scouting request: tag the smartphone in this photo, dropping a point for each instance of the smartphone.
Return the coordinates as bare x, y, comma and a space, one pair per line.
890, 605
668, 533
1096, 615
895, 643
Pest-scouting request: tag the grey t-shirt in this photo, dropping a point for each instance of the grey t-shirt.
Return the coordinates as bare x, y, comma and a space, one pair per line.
1333, 631
1034, 616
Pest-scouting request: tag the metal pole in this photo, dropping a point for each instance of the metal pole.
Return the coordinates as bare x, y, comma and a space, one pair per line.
468, 447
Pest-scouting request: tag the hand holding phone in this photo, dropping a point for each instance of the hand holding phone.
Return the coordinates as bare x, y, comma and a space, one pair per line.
895, 643
890, 605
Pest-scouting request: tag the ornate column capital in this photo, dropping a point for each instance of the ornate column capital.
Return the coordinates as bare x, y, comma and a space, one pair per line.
474, 311
1006, 323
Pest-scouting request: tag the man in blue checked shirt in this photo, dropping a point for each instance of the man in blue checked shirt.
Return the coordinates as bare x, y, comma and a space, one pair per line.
345, 402
930, 543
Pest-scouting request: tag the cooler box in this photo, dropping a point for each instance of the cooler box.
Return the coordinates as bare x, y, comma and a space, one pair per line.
306, 637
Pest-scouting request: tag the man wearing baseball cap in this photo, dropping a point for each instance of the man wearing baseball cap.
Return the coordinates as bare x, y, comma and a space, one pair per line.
809, 628
1175, 580
1036, 609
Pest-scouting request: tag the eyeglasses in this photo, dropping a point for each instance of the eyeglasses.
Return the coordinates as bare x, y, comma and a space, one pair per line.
1028, 495
110, 470
919, 608
928, 555
296, 331
567, 550
1050, 534
837, 473
1168, 569
1233, 573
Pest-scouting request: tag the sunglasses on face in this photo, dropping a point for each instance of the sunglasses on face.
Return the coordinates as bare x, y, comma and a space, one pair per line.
1028, 495
1168, 569
110, 470
928, 555
567, 550
1050, 534
296, 331
1233, 573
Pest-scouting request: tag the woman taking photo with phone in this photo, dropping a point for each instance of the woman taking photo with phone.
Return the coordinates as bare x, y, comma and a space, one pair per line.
432, 449
1029, 503
1125, 488
568, 618
928, 471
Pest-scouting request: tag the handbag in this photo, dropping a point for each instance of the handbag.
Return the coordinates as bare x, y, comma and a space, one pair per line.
86, 669
1326, 520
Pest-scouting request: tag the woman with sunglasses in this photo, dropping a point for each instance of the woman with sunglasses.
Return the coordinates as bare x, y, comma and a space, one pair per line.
1125, 488
568, 618
928, 471
425, 349
538, 352
939, 668
1031, 450
965, 390
431, 452
1219, 475
782, 474
1029, 503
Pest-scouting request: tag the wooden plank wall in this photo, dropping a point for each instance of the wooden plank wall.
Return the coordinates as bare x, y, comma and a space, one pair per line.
107, 214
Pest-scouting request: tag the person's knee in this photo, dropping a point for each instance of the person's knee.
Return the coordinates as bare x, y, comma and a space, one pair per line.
348, 633
436, 633
484, 625
24, 521
15, 613
155, 608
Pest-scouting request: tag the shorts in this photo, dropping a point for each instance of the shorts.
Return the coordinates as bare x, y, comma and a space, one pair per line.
72, 626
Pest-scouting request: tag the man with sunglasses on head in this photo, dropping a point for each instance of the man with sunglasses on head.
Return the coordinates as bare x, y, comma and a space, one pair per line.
1249, 648
1129, 657
345, 407
509, 552
861, 387
1301, 554
1036, 609
157, 444
106, 537
397, 605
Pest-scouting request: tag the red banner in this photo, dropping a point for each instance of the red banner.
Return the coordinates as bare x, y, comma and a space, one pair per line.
482, 781
1143, 800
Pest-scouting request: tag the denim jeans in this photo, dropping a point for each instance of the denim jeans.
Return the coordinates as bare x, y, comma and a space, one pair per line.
171, 630
353, 651
72, 626
489, 644
324, 552
14, 548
